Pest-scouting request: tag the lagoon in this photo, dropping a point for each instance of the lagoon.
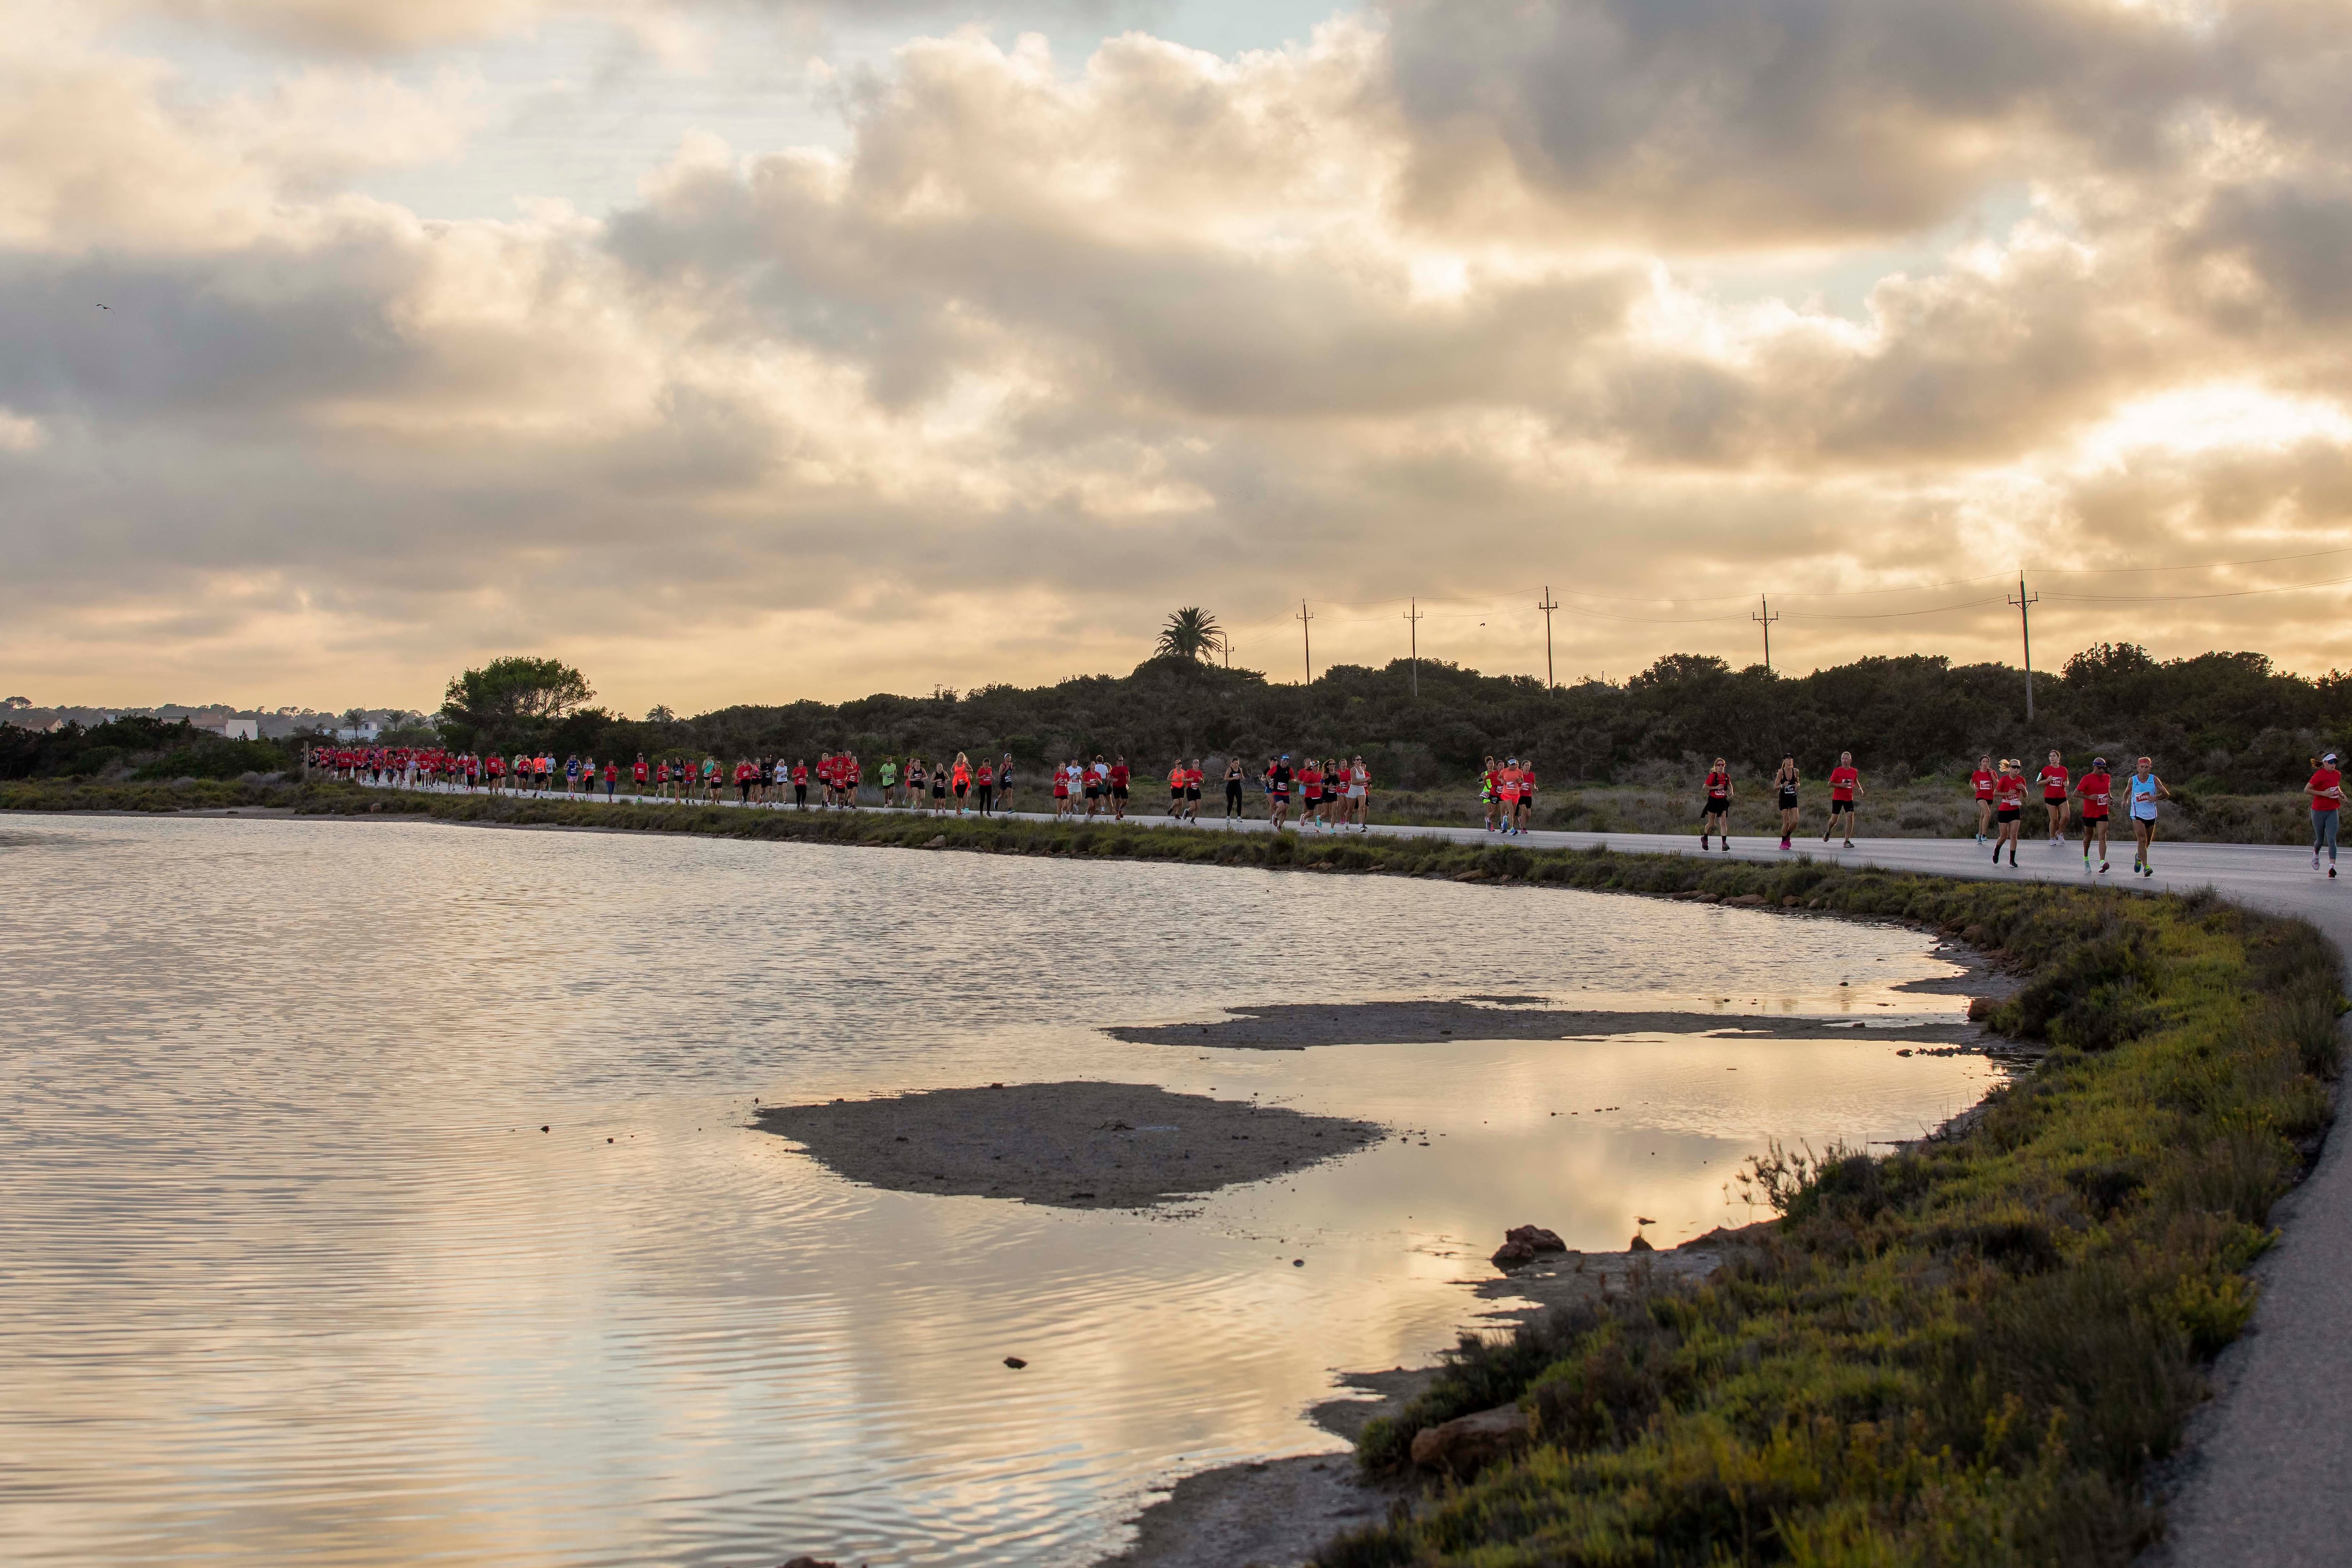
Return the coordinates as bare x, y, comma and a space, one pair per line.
294, 1275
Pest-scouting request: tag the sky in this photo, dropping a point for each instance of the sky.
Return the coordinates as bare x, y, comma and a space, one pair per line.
748, 351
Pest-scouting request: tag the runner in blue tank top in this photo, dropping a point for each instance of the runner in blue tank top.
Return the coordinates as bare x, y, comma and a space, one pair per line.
2145, 789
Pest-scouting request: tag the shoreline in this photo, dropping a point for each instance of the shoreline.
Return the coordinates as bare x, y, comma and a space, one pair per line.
2238, 1009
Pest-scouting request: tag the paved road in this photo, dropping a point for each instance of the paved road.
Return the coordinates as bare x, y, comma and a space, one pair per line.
2264, 1486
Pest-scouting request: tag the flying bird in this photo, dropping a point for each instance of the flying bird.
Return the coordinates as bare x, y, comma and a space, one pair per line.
106, 308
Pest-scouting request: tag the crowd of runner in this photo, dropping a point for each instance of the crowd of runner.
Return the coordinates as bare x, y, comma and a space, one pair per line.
1309, 794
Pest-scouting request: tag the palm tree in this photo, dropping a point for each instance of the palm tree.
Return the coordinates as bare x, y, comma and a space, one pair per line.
1190, 633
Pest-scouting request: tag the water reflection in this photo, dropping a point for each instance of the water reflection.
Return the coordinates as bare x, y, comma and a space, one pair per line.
294, 1276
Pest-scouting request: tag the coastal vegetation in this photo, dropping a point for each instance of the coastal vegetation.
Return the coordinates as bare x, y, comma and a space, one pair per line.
1968, 1351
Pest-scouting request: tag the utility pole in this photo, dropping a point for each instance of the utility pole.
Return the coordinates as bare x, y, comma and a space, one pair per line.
1765, 617
1547, 607
1413, 617
2025, 631
1306, 641
1225, 646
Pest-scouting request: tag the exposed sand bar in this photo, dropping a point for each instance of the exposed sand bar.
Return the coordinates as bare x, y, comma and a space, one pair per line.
1072, 1145
1293, 1026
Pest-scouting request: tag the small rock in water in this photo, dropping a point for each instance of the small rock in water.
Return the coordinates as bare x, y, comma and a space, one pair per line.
811, 1562
1979, 1008
1016, 1363
1298, 1262
542, 1126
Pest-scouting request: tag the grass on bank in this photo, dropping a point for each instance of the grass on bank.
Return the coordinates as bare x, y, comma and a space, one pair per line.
1968, 1353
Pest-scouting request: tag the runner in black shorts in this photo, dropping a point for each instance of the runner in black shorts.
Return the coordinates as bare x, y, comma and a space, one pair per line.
1785, 781
1234, 789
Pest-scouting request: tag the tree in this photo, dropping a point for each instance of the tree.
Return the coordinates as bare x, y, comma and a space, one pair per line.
1190, 633
511, 699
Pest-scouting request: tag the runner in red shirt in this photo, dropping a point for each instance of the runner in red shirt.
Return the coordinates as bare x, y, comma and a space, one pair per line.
1716, 816
1981, 781
637, 775
2009, 804
2096, 789
1845, 789
1193, 777
2327, 786
1118, 778
987, 788
2053, 778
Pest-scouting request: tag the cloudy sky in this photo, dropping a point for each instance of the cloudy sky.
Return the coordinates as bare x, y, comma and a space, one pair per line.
740, 350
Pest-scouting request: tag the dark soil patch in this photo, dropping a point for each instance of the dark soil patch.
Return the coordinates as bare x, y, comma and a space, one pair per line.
1072, 1145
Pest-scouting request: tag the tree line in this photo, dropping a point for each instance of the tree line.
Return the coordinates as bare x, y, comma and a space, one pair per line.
2226, 721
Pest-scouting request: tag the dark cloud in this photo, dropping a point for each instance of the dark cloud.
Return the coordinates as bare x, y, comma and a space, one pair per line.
1751, 123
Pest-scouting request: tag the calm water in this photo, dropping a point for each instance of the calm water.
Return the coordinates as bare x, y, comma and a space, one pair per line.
292, 1276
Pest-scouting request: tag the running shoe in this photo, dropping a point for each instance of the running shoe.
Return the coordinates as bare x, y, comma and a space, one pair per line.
1849, 844
2331, 871
2147, 871
2012, 860
2103, 867
1784, 841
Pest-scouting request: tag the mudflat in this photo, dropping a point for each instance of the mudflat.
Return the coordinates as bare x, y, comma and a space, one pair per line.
1294, 1026
1075, 1144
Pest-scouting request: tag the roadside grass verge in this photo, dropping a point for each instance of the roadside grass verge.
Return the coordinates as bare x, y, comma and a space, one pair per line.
1966, 1353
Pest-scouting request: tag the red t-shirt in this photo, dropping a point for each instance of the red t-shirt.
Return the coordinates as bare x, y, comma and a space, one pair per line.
2095, 787
987, 777
1192, 779
2054, 783
800, 773
1718, 786
1118, 775
2326, 779
743, 770
612, 773
1842, 781
1981, 782
637, 772
1310, 782
2009, 791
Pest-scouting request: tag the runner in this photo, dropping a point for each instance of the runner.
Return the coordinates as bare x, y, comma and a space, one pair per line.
1278, 789
2054, 780
611, 778
890, 782
747, 773
637, 772
938, 790
800, 784
1311, 793
1845, 789
1490, 793
1117, 779
1234, 811
1360, 794
1527, 793
2145, 790
1061, 790
987, 788
1716, 816
1981, 781
2096, 789
1193, 777
2008, 805
2327, 786
1004, 782
1784, 782
1176, 791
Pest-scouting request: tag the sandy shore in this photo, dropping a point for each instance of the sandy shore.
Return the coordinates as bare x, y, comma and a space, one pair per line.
1071, 1146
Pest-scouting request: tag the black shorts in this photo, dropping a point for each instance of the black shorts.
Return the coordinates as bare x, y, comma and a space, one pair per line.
2098, 817
1093, 792
1838, 807
1191, 792
1118, 791
2057, 805
962, 790
939, 791
1788, 799
1717, 808
2006, 814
